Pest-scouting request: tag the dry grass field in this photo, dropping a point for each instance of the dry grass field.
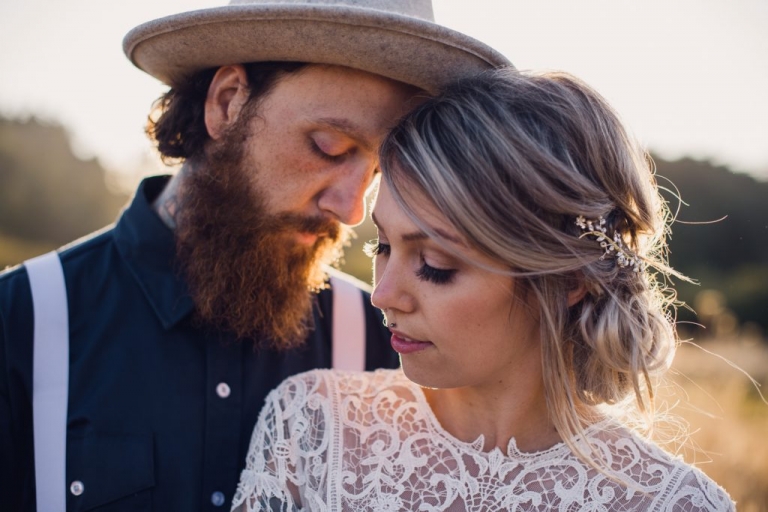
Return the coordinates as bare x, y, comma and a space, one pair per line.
727, 419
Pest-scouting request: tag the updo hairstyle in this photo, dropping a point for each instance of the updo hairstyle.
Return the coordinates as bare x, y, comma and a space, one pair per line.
513, 159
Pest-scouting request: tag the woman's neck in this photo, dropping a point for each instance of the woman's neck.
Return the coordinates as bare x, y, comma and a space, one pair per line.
508, 411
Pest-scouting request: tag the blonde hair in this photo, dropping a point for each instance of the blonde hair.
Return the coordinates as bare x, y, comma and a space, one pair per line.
512, 159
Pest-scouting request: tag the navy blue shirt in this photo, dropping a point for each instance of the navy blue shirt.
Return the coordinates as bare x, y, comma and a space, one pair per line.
161, 410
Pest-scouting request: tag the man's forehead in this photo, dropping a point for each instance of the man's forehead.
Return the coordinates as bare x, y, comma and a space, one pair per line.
355, 103
331, 75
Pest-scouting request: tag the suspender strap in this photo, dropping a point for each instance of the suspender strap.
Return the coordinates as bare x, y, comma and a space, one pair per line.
50, 366
50, 379
348, 335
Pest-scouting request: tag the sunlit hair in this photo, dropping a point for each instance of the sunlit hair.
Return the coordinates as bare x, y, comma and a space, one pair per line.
176, 124
512, 159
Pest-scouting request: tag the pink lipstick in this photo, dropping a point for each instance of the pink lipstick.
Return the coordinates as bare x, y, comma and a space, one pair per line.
404, 345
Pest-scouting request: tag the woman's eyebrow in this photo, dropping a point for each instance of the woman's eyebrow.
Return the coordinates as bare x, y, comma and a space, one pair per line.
420, 235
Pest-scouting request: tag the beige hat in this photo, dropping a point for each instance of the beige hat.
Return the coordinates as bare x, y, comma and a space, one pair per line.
394, 38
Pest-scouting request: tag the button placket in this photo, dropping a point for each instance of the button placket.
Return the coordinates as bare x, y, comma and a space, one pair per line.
222, 422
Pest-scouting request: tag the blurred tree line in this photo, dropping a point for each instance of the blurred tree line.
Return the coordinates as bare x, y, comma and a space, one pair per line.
49, 197
728, 257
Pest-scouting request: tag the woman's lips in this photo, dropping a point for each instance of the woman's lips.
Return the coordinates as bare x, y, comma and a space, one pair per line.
404, 345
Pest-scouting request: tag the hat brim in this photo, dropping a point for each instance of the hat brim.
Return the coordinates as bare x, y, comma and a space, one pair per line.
410, 50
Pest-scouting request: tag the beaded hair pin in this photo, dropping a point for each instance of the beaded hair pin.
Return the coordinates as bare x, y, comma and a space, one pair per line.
597, 229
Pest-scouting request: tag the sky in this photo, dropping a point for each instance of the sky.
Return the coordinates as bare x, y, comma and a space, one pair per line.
689, 77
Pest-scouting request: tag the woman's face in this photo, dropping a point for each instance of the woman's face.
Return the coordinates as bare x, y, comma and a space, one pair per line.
457, 324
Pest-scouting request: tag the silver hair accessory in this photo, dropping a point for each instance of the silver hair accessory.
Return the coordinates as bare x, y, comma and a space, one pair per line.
616, 247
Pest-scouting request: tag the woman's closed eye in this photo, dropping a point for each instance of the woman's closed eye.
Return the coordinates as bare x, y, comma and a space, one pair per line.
426, 272
435, 275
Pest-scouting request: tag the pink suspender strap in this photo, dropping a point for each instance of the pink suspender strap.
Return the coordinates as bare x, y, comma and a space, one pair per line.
50, 379
348, 334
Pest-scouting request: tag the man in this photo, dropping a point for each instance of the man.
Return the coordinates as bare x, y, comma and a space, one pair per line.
210, 289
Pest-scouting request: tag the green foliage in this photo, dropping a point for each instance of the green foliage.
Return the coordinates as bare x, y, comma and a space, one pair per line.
48, 197
48, 194
728, 255
356, 262
15, 250
712, 193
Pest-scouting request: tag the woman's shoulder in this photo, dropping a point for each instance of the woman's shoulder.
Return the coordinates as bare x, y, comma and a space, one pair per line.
696, 491
354, 400
676, 484
349, 381
345, 385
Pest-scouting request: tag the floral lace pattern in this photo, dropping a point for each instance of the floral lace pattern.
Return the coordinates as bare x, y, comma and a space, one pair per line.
341, 441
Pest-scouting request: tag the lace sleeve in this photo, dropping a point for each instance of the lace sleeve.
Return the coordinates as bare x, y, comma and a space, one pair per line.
286, 458
695, 492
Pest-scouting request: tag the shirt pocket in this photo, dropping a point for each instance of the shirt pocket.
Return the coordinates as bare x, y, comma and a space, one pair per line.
110, 472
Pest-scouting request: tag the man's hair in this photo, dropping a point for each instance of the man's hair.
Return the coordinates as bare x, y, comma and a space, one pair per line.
513, 160
176, 123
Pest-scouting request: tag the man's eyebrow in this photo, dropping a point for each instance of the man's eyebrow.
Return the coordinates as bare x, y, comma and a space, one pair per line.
349, 129
420, 235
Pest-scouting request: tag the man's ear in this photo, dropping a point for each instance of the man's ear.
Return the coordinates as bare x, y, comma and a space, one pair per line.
227, 95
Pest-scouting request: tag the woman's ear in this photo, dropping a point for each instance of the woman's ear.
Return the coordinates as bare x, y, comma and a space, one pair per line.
227, 95
578, 290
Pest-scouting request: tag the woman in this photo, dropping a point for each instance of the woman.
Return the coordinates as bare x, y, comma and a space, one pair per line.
519, 264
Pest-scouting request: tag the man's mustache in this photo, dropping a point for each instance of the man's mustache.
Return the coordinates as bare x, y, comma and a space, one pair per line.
320, 226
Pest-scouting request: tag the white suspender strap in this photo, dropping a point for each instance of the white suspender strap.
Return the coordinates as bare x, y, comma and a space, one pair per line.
348, 334
50, 379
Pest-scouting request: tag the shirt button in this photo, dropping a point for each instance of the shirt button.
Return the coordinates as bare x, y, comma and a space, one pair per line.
223, 390
217, 498
76, 487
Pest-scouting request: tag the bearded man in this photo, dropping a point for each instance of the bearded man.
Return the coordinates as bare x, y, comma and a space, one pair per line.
211, 287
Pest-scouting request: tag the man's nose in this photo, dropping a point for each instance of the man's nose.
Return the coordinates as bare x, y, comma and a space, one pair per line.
344, 198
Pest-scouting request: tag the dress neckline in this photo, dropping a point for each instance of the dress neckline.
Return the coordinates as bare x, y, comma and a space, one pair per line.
475, 447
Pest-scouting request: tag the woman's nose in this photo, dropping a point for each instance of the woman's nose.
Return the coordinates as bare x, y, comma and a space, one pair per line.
390, 292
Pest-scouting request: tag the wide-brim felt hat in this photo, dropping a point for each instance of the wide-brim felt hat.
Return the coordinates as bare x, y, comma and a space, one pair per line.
397, 39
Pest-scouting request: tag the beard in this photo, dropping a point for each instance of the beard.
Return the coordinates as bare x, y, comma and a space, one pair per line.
245, 271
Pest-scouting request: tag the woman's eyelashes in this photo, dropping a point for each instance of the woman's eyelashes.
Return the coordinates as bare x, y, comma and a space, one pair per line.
435, 275
374, 247
426, 272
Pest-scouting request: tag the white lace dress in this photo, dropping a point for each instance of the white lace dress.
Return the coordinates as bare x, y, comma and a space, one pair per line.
336, 441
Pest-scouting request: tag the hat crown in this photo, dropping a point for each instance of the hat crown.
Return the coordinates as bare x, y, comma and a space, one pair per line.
397, 39
414, 8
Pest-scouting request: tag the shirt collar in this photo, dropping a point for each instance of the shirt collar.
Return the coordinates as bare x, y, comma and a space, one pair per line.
148, 248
